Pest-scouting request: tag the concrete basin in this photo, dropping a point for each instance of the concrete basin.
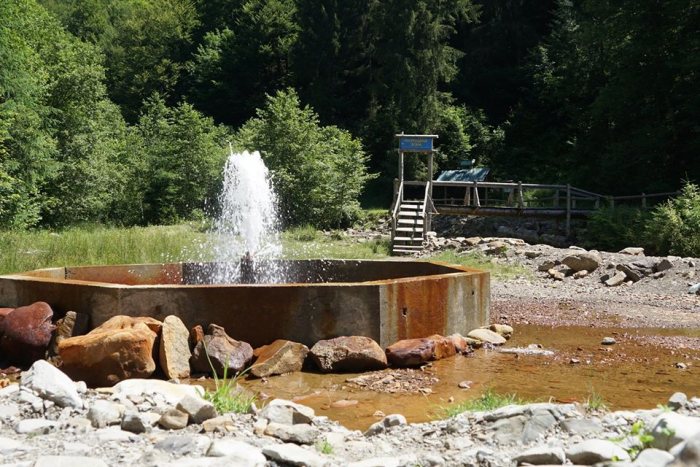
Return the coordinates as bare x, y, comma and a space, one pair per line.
386, 300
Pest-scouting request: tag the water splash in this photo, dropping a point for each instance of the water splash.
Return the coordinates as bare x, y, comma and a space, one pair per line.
245, 235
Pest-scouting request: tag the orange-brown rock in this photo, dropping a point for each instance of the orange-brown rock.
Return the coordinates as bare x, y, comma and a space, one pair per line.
444, 347
460, 343
120, 349
224, 352
196, 335
279, 358
25, 333
348, 353
411, 352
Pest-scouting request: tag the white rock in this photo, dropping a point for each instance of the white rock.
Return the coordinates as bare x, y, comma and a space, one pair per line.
105, 413
172, 393
287, 412
593, 451
377, 462
295, 455
486, 335
238, 452
672, 428
136, 422
51, 383
652, 458
677, 401
299, 433
114, 434
76, 449
542, 455
385, 423
197, 408
9, 390
8, 411
35, 426
69, 461
10, 446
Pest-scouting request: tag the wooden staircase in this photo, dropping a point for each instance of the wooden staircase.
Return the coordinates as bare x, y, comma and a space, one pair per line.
408, 234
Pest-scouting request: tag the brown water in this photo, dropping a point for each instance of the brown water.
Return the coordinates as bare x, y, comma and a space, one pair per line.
628, 375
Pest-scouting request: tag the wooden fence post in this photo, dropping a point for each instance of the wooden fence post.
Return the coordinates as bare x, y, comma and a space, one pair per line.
521, 204
568, 209
644, 200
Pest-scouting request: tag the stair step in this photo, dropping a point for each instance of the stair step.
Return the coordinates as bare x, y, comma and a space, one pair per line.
418, 230
411, 207
404, 252
411, 221
408, 247
410, 214
409, 239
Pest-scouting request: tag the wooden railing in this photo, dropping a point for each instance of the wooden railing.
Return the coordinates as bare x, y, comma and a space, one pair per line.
527, 200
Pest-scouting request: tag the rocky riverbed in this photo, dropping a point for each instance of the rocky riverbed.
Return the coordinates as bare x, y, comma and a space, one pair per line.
49, 420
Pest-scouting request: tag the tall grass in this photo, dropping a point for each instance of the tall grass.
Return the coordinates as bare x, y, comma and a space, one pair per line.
28, 250
89, 245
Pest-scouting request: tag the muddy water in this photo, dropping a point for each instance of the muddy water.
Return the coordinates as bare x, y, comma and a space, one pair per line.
631, 374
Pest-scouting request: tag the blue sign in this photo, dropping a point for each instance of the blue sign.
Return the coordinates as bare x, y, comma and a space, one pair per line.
416, 143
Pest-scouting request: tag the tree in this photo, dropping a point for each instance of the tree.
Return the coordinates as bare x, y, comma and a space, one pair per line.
234, 68
318, 172
184, 153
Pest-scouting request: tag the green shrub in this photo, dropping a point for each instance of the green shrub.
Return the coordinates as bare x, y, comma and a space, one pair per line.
675, 225
614, 229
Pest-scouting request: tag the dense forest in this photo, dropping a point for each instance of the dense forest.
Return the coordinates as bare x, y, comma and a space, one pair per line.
119, 111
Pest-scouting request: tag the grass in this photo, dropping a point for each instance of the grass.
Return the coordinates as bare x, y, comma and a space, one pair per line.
35, 249
324, 447
225, 397
488, 400
480, 261
595, 400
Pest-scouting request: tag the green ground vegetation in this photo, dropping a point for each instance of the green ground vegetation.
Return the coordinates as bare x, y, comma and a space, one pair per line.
487, 400
480, 261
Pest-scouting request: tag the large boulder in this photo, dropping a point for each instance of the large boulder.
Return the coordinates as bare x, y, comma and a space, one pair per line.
174, 350
224, 353
583, 261
120, 349
412, 352
279, 358
25, 333
348, 353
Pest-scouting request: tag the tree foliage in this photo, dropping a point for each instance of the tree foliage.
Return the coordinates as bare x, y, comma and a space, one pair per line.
318, 171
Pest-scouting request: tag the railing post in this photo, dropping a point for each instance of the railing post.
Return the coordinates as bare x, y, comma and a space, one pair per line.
612, 203
396, 192
521, 204
568, 209
476, 194
556, 199
644, 200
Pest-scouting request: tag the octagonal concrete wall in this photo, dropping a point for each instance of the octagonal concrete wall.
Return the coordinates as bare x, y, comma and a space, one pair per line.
397, 299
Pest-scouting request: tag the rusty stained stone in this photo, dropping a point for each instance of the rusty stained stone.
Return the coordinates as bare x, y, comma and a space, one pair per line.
444, 347
25, 333
278, 358
348, 353
73, 324
410, 352
121, 348
196, 335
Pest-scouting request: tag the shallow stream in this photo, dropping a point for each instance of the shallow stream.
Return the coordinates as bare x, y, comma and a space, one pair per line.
633, 373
